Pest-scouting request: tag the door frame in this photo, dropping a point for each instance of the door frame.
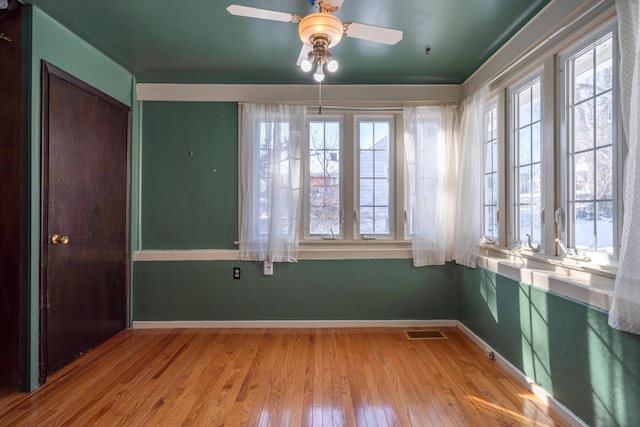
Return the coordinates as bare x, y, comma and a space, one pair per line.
48, 70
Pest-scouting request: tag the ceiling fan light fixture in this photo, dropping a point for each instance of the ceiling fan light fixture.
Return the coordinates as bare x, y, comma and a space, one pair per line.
332, 64
307, 63
320, 24
319, 74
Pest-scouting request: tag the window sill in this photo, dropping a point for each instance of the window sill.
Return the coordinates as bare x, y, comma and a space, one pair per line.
307, 251
568, 278
363, 249
565, 277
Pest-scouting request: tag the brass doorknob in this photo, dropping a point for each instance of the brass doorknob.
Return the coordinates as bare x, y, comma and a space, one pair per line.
56, 238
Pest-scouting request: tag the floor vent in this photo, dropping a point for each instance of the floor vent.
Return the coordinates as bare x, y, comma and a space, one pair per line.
427, 334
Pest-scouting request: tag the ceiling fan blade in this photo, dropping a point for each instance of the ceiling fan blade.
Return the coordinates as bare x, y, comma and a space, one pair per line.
304, 53
252, 12
372, 33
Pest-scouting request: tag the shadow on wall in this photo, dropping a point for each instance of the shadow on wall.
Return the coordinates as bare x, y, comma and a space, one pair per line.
564, 346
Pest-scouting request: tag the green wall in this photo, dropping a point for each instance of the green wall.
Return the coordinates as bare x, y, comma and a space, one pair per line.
565, 346
189, 175
307, 290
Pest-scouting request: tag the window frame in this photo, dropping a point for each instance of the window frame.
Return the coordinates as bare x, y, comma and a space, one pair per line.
350, 167
391, 199
493, 112
305, 165
511, 142
566, 230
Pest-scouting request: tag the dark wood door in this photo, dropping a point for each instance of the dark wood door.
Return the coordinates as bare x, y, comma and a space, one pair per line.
85, 202
12, 216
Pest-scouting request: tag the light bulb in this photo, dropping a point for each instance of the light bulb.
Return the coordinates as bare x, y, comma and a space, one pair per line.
332, 65
305, 65
319, 74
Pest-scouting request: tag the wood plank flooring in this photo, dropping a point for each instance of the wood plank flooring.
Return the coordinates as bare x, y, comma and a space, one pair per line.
280, 377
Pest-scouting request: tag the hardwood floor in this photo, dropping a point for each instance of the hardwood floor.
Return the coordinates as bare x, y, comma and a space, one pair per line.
280, 377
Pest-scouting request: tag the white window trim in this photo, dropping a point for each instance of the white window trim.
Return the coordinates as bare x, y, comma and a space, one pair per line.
492, 106
351, 241
393, 187
588, 282
619, 147
509, 145
305, 223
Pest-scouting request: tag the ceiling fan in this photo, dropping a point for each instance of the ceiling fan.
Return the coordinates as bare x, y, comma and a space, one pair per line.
320, 31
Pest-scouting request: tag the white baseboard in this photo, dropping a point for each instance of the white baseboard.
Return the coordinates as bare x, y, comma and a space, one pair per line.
248, 324
541, 393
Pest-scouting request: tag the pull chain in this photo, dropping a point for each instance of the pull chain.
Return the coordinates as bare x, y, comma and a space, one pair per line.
320, 98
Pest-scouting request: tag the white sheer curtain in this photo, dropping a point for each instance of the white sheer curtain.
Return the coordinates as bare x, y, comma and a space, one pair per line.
625, 312
471, 178
431, 158
272, 138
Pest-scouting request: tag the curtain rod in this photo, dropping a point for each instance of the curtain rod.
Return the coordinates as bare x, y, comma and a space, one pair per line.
357, 108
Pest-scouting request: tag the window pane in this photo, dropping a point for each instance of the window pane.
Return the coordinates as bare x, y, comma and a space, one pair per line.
524, 146
489, 189
604, 119
381, 221
381, 164
524, 217
366, 192
536, 205
324, 220
604, 227
524, 106
584, 226
366, 135
316, 161
366, 163
488, 157
491, 224
604, 65
536, 148
583, 175
583, 76
366, 220
583, 126
381, 192
525, 185
604, 173
381, 135
535, 102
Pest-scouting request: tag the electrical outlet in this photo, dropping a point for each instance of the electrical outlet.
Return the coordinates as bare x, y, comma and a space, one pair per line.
267, 268
236, 273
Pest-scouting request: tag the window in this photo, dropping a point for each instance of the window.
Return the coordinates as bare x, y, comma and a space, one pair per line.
490, 223
325, 178
526, 158
590, 146
374, 177
350, 177
270, 136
